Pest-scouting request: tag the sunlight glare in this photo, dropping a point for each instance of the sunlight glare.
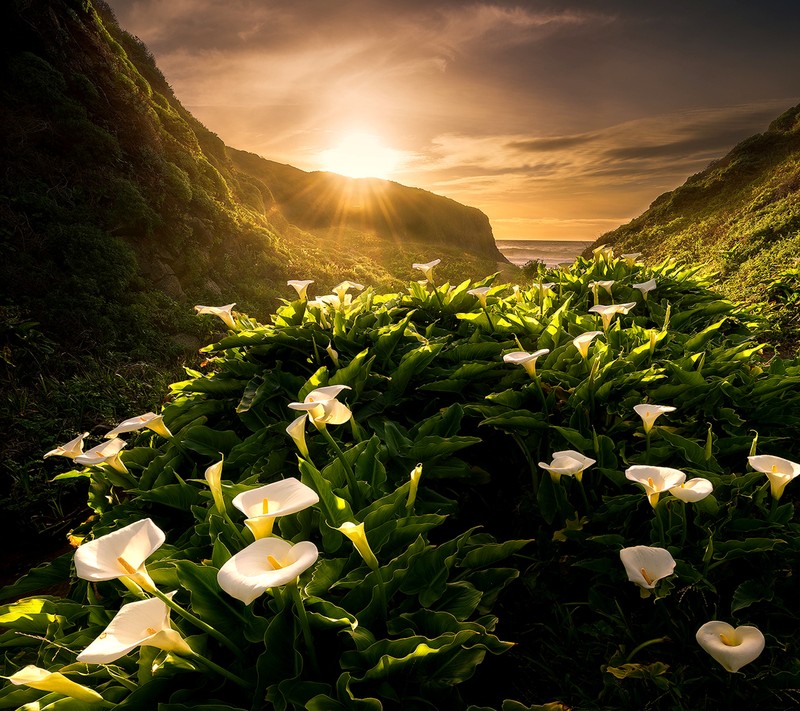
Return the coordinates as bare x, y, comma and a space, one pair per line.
361, 155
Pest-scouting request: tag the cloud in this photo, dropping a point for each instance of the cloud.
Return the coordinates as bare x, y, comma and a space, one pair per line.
585, 183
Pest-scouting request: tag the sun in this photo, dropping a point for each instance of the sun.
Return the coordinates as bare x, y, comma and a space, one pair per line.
361, 155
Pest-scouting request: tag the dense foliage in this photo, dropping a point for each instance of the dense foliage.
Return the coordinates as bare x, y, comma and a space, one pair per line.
473, 543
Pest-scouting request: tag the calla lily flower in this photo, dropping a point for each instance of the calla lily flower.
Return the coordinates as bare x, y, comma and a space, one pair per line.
323, 408
120, 554
630, 258
72, 449
264, 504
525, 359
106, 453
779, 471
427, 269
543, 287
583, 342
480, 294
693, 490
646, 565
567, 462
341, 289
358, 537
645, 287
416, 474
333, 353
213, 476
607, 313
301, 287
224, 312
595, 286
43, 680
517, 293
603, 251
266, 563
332, 300
731, 647
655, 480
149, 420
649, 414
138, 624
297, 431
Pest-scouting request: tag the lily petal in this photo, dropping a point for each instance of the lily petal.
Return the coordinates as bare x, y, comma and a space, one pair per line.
731, 647
646, 565
266, 563
141, 623
693, 490
106, 558
43, 680
72, 449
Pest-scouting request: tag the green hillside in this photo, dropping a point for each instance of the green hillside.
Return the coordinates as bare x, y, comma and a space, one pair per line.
740, 217
116, 200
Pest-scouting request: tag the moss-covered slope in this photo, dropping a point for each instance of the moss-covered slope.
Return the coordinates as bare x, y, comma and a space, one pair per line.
740, 216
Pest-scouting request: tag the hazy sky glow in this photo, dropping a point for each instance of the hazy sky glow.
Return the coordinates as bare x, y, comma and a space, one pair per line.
557, 119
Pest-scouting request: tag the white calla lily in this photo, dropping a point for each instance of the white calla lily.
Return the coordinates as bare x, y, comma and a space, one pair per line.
297, 431
732, 647
480, 294
149, 420
779, 471
603, 251
650, 413
646, 565
266, 563
72, 449
301, 287
43, 680
358, 536
595, 286
525, 359
645, 287
630, 258
213, 476
427, 269
322, 407
264, 504
655, 480
138, 624
223, 312
106, 453
583, 342
341, 289
120, 554
567, 462
692, 490
608, 312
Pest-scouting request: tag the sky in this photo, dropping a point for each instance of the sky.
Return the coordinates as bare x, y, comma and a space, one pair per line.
560, 120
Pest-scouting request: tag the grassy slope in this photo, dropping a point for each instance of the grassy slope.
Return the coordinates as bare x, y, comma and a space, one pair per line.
740, 216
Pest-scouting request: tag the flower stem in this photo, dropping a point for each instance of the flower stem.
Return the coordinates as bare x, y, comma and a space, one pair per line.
302, 615
534, 470
197, 622
647, 454
488, 318
348, 470
221, 670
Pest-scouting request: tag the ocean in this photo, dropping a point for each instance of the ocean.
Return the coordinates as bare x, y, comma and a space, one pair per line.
550, 251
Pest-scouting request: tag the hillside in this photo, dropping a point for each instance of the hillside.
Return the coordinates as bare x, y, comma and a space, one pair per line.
117, 202
740, 216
